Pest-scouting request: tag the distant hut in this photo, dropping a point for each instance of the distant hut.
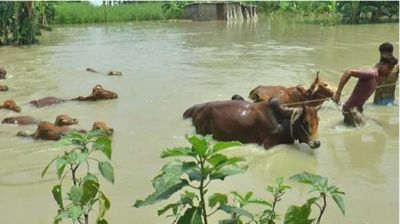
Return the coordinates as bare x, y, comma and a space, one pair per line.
220, 11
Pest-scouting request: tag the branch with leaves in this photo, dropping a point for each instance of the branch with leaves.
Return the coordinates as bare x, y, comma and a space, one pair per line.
85, 190
205, 164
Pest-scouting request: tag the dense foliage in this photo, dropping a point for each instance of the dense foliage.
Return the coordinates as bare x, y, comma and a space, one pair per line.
336, 11
20, 21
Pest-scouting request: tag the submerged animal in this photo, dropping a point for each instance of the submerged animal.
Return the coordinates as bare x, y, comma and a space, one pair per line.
10, 105
248, 122
98, 93
3, 73
109, 73
3, 88
20, 120
48, 131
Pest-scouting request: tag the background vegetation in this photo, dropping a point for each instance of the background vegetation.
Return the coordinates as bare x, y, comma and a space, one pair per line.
20, 22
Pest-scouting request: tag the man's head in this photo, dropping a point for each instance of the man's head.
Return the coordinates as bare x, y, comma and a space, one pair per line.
386, 64
386, 49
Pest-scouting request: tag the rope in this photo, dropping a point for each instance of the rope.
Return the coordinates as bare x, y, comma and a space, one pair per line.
328, 98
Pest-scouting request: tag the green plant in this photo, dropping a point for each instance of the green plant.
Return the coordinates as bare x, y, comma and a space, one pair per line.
206, 164
84, 191
267, 215
294, 214
173, 9
319, 185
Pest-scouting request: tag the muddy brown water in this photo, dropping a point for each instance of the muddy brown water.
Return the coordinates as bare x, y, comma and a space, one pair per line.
167, 68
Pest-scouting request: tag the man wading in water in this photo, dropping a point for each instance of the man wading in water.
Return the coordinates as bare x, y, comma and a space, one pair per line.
366, 85
385, 94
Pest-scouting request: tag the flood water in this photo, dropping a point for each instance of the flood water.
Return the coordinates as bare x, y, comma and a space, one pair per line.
168, 67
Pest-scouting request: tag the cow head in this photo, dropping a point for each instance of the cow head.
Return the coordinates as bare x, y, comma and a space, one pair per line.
98, 91
304, 125
103, 127
320, 89
10, 105
3, 73
64, 120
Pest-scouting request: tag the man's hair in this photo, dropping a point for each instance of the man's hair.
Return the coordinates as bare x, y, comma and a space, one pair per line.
386, 48
388, 60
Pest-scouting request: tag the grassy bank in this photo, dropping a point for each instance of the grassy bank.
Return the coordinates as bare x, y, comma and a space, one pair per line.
83, 12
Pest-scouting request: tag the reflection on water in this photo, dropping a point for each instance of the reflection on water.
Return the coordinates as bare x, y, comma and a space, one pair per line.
167, 68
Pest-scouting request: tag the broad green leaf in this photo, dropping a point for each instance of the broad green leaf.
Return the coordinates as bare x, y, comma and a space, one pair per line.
63, 142
187, 198
191, 216
270, 189
101, 221
307, 178
192, 170
95, 134
228, 171
103, 144
311, 201
75, 212
106, 170
91, 177
172, 172
47, 167
161, 195
260, 202
104, 204
225, 145
178, 151
168, 207
248, 195
239, 211
73, 156
60, 164
339, 201
217, 198
76, 194
279, 180
57, 194
332, 189
82, 157
217, 159
90, 189
238, 196
199, 145
298, 215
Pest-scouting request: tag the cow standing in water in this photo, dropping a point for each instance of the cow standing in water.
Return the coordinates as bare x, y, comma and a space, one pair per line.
247, 122
295, 96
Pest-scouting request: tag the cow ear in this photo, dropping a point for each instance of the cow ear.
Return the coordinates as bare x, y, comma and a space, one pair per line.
318, 107
317, 78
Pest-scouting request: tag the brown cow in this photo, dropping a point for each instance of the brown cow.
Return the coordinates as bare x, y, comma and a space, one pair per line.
49, 131
20, 120
10, 105
65, 120
47, 101
61, 120
248, 122
3, 88
98, 93
294, 96
3, 73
